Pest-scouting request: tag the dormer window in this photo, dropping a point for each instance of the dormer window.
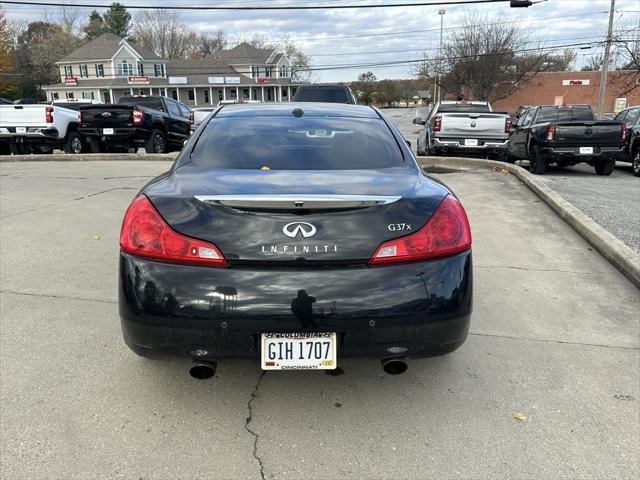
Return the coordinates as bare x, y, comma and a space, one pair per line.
158, 70
125, 69
284, 70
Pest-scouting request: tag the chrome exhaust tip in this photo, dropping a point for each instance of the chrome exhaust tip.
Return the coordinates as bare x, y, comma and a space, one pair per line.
394, 366
203, 370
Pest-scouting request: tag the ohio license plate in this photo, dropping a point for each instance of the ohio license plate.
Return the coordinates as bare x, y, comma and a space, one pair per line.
107, 131
298, 351
471, 142
21, 129
586, 150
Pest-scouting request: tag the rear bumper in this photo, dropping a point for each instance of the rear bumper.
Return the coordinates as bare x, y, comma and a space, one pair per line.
484, 145
32, 135
119, 135
573, 153
171, 310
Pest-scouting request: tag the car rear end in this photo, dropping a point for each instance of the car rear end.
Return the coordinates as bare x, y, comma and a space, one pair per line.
112, 124
297, 239
29, 124
586, 140
471, 128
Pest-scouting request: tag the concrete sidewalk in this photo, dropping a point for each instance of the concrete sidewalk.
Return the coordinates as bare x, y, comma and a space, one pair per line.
554, 335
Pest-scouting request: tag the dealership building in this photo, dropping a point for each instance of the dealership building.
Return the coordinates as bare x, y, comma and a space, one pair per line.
109, 67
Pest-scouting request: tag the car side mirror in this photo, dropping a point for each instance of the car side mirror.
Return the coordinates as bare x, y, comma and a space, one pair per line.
184, 144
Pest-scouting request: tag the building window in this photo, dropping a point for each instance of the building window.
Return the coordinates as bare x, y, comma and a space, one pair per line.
245, 93
174, 94
234, 94
68, 71
284, 71
158, 70
125, 69
55, 96
268, 71
70, 95
191, 94
220, 95
284, 93
255, 71
89, 95
84, 72
99, 69
141, 70
206, 96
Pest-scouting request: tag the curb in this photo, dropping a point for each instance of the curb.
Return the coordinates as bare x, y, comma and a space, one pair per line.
90, 157
614, 250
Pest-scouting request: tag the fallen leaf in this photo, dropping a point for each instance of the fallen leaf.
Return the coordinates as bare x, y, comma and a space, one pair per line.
96, 237
521, 417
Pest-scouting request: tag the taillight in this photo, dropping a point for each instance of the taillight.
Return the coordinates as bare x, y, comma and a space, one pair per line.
447, 232
145, 233
191, 118
623, 131
437, 123
48, 115
551, 133
138, 116
79, 116
507, 125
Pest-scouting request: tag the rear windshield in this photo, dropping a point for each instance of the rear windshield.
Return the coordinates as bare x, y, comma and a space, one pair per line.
149, 102
72, 105
466, 108
297, 143
565, 115
330, 95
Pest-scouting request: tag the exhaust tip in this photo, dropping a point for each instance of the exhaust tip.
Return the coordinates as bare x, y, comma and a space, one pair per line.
203, 371
394, 366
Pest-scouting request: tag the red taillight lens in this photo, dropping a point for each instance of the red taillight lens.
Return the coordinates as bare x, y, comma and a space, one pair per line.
507, 125
79, 116
551, 133
437, 123
623, 131
138, 116
48, 115
447, 232
145, 233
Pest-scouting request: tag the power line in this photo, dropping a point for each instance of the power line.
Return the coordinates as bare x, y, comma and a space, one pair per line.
280, 7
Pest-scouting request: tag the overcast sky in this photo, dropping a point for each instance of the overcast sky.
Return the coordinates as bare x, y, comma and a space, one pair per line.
328, 35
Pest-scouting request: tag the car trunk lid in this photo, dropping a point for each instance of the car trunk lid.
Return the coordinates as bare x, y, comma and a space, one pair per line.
473, 125
107, 116
588, 133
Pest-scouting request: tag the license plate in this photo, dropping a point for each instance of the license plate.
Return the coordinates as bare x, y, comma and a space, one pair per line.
107, 131
471, 142
21, 129
586, 150
298, 351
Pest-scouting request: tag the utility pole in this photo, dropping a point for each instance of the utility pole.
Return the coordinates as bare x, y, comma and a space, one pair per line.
441, 12
605, 63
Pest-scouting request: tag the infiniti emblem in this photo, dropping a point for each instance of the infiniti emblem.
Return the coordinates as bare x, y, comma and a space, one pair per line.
294, 228
105, 114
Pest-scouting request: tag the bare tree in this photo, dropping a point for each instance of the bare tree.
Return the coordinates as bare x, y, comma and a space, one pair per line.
627, 42
300, 63
162, 32
488, 59
593, 64
207, 43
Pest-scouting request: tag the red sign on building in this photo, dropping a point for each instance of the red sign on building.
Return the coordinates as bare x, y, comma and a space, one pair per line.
138, 80
262, 79
71, 80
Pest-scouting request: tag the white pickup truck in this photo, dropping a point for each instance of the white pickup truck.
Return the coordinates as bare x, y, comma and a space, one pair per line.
40, 128
464, 127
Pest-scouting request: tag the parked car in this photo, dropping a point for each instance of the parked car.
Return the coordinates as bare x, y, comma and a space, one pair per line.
279, 229
631, 118
329, 93
566, 135
157, 123
463, 127
39, 128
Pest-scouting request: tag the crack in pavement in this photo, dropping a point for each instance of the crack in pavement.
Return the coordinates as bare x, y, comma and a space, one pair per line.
103, 191
248, 421
550, 270
561, 342
27, 211
63, 297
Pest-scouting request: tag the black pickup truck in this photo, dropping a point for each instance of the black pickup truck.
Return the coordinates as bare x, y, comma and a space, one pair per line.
631, 118
566, 135
159, 124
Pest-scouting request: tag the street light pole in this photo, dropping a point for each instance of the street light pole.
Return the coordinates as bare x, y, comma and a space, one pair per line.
441, 12
605, 63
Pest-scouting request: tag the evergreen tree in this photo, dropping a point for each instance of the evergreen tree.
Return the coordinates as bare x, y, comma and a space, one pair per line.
94, 27
117, 20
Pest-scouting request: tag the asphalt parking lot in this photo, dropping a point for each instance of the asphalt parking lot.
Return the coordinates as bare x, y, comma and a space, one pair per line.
611, 201
554, 337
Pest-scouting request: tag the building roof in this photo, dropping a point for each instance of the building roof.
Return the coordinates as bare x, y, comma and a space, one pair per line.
102, 48
245, 54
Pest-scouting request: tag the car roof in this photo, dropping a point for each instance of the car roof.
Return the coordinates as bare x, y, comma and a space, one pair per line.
325, 85
315, 109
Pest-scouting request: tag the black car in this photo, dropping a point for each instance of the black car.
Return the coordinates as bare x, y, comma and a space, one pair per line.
159, 124
298, 235
566, 135
631, 118
325, 93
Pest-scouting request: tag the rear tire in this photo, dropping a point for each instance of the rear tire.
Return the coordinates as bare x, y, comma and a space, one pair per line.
537, 164
73, 143
635, 162
605, 167
157, 142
